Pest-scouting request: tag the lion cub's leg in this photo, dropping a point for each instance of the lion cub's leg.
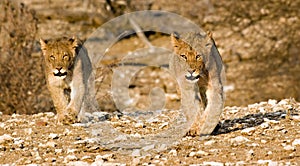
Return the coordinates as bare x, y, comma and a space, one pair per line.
60, 101
76, 96
196, 126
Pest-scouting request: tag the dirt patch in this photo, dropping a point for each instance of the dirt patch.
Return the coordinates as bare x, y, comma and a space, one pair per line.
260, 134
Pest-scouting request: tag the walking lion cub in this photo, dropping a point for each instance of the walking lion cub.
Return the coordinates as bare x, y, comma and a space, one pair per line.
69, 77
199, 69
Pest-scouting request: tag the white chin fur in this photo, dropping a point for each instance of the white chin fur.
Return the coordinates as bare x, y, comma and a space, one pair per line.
60, 77
192, 81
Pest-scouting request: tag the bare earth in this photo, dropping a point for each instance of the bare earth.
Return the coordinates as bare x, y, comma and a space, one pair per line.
265, 133
259, 42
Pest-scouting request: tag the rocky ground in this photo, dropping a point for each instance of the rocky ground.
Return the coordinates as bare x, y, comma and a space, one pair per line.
265, 133
259, 43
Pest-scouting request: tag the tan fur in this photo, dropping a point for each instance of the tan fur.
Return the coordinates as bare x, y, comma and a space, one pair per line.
69, 77
197, 60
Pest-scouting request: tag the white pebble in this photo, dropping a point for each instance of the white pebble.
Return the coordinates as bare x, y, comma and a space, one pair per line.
173, 152
192, 154
210, 142
70, 158
58, 151
296, 142
265, 125
97, 162
139, 125
149, 147
289, 148
136, 152
163, 125
2, 125
248, 131
213, 163
239, 139
272, 102
78, 163
4, 138
51, 144
53, 136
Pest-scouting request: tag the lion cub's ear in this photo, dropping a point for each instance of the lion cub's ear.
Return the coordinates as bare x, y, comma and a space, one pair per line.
74, 41
175, 39
43, 44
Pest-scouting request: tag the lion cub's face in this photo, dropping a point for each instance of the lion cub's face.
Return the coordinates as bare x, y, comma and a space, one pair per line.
59, 55
193, 58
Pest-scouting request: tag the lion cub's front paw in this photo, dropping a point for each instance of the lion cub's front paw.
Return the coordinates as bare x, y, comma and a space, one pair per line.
194, 131
68, 117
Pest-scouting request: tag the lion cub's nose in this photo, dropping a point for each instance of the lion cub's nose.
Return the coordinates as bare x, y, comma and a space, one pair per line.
191, 71
58, 68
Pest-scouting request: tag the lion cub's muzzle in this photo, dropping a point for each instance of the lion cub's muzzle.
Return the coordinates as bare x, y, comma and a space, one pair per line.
60, 73
192, 76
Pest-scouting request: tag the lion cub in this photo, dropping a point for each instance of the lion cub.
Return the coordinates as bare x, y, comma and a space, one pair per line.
69, 78
198, 62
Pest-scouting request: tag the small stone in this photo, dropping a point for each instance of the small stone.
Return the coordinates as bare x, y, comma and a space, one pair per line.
213, 163
98, 162
136, 161
51, 144
2, 125
53, 136
251, 152
262, 110
210, 142
289, 148
296, 142
263, 141
239, 140
70, 151
267, 162
201, 153
192, 154
152, 120
149, 147
139, 125
70, 158
163, 125
106, 157
283, 102
78, 163
5, 138
58, 151
264, 125
296, 117
136, 152
284, 131
272, 102
101, 116
86, 158
28, 131
248, 131
50, 159
121, 138
173, 152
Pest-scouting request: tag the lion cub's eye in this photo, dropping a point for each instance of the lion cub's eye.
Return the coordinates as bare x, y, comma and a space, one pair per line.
65, 57
52, 57
198, 57
183, 56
